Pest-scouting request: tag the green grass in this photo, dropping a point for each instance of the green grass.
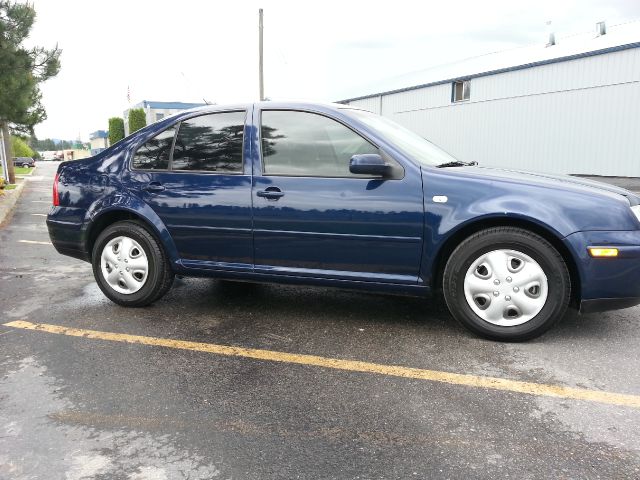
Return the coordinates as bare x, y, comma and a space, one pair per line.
22, 170
19, 170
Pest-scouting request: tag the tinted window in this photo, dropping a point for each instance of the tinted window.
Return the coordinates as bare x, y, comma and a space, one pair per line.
306, 144
154, 155
211, 143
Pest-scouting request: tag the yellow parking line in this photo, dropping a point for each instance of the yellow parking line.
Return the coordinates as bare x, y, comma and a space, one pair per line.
477, 381
34, 242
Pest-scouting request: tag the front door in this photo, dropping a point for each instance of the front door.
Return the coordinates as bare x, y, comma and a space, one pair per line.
193, 176
312, 217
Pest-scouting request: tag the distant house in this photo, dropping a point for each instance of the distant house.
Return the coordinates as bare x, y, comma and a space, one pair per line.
155, 111
99, 141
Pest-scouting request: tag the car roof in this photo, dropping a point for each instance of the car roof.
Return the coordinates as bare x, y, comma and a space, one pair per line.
286, 104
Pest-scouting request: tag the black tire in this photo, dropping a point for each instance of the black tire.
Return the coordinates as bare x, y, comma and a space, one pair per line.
520, 240
159, 277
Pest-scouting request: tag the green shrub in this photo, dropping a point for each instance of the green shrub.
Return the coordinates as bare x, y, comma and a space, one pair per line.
137, 120
116, 129
20, 148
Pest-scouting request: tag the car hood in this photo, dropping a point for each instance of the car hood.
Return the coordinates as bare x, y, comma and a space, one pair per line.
550, 180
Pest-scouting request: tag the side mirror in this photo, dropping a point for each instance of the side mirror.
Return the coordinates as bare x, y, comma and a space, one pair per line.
369, 164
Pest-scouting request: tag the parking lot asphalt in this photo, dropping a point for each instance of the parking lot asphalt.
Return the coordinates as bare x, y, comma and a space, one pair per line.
157, 393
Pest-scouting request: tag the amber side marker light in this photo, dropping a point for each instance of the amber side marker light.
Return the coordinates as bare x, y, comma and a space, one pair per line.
603, 252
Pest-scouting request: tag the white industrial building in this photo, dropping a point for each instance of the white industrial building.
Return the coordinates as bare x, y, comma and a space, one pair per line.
572, 106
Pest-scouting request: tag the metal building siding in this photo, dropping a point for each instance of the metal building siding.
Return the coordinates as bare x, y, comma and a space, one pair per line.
437, 96
371, 104
579, 116
590, 131
589, 72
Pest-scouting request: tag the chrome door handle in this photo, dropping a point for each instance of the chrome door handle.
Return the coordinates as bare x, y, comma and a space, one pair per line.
270, 193
153, 187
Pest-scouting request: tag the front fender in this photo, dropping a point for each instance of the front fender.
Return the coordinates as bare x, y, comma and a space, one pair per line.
565, 207
472, 201
119, 202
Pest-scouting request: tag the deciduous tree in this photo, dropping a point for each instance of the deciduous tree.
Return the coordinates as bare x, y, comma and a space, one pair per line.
20, 148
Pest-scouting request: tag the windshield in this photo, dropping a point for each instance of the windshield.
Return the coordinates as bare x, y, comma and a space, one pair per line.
412, 144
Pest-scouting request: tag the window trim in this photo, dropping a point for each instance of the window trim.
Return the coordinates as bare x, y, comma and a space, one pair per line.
466, 82
381, 152
177, 126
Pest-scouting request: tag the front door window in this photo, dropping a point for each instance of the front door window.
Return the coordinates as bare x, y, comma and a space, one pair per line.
309, 145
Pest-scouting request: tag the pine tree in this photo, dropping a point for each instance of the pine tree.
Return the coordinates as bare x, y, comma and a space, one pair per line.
22, 70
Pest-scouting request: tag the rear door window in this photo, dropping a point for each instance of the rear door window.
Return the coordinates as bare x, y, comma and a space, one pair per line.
210, 143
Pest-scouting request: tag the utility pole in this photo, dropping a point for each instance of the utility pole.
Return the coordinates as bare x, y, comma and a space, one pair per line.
3, 158
260, 63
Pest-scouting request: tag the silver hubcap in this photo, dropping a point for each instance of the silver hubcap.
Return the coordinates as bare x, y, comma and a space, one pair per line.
505, 287
124, 265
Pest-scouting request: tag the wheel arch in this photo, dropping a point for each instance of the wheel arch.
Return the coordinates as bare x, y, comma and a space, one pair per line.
111, 216
447, 248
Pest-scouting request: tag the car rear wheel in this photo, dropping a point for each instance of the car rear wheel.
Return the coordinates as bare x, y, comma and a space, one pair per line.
506, 283
130, 265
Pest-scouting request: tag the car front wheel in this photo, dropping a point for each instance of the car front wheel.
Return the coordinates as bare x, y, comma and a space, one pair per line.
130, 265
507, 284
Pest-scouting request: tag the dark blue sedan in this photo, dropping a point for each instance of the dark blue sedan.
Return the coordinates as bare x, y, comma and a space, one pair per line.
332, 195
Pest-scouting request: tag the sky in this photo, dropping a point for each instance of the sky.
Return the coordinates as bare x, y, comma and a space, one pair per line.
192, 51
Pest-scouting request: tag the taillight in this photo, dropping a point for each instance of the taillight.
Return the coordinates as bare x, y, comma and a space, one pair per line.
56, 197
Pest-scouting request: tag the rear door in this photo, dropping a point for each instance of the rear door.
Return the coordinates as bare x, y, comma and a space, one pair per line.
312, 217
193, 175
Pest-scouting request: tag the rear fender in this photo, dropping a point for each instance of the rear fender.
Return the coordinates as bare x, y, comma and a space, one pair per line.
136, 207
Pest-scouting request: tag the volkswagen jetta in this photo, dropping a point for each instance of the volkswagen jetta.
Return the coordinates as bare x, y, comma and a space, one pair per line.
332, 195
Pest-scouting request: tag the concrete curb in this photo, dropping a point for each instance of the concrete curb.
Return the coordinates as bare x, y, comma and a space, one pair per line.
7, 205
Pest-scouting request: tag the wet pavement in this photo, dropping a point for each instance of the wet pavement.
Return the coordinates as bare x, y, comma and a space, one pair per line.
80, 408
